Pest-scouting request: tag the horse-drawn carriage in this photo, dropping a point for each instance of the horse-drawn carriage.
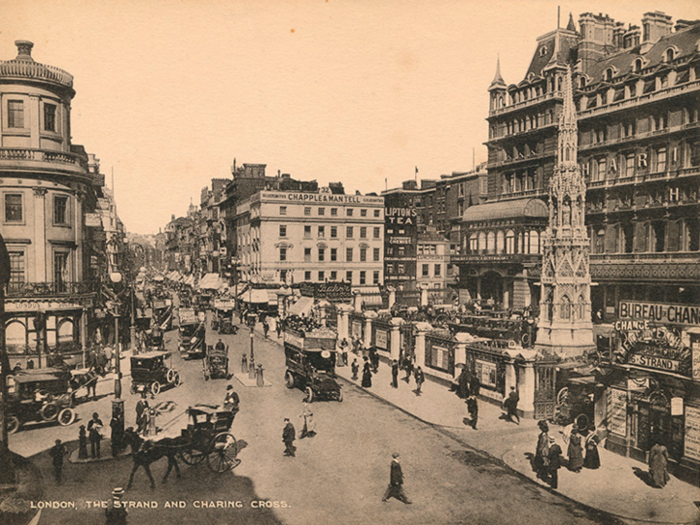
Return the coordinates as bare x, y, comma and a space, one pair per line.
42, 395
206, 437
215, 363
149, 372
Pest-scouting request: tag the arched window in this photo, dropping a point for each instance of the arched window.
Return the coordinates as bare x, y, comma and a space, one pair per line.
525, 244
500, 243
16, 337
482, 242
510, 241
490, 242
638, 65
473, 243
65, 331
534, 242
608, 75
670, 55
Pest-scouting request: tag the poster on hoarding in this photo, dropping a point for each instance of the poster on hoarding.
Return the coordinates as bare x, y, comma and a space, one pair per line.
692, 433
486, 371
617, 412
380, 340
357, 329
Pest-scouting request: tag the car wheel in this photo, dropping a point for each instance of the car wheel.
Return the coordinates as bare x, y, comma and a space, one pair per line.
290, 380
178, 379
170, 376
155, 388
340, 396
66, 417
13, 424
309, 395
49, 412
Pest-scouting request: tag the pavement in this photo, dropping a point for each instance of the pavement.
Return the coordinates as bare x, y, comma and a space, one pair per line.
617, 488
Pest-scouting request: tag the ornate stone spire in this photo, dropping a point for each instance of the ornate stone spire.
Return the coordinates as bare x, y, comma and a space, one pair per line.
498, 81
565, 308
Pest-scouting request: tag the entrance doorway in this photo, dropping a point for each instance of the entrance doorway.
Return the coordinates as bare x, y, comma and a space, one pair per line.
492, 287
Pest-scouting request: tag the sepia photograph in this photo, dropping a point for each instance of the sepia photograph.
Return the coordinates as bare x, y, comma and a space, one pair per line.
300, 262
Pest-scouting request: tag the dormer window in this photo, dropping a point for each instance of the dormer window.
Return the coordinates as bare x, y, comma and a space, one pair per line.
670, 55
582, 82
608, 75
543, 51
638, 65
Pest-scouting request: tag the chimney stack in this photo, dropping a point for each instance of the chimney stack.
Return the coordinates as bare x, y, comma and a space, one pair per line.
24, 49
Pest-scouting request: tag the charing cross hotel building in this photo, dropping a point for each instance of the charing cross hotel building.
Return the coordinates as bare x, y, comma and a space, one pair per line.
637, 98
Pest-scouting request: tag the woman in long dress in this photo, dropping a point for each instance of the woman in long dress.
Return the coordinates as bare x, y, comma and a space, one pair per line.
309, 428
592, 459
366, 374
658, 465
575, 451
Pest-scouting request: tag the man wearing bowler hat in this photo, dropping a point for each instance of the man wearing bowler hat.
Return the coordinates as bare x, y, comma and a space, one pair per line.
395, 488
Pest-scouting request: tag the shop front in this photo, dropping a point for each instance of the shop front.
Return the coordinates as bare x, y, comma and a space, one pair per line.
653, 390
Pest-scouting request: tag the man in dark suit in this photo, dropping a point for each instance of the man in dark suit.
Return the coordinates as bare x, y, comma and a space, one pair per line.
288, 437
395, 373
395, 488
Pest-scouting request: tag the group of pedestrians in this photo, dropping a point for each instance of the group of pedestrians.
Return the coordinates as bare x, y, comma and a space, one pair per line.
289, 432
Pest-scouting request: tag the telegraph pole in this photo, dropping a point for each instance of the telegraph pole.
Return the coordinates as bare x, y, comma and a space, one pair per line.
7, 472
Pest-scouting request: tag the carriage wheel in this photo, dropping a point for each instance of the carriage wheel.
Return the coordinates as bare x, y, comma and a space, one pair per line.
13, 424
155, 388
192, 456
66, 417
309, 395
222, 452
49, 412
563, 396
289, 380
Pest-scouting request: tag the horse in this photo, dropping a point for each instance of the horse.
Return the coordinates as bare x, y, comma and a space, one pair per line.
146, 452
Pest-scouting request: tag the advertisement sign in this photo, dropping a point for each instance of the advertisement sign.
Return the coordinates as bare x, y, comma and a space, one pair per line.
617, 412
696, 361
486, 372
357, 330
660, 313
380, 339
93, 220
329, 291
692, 433
659, 363
224, 304
676, 406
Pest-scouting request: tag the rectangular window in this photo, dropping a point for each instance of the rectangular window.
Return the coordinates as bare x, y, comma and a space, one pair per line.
307, 254
321, 231
334, 254
334, 212
15, 114
283, 210
307, 211
426, 270
401, 269
60, 209
349, 232
334, 275
13, 207
375, 254
661, 160
348, 276
283, 254
321, 276
401, 251
321, 254
363, 232
438, 270
307, 276
307, 231
363, 213
363, 254
348, 254
334, 232
363, 277
377, 212
322, 211
17, 275
283, 230
49, 117
376, 232
375, 277
283, 276
348, 212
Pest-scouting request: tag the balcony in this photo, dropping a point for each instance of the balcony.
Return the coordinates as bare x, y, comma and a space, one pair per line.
605, 144
499, 258
645, 177
648, 267
26, 157
47, 290
558, 95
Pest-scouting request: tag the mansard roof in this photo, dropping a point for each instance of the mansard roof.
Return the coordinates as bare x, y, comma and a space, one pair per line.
685, 42
546, 46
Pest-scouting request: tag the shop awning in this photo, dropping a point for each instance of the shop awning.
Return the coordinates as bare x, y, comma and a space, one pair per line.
255, 296
210, 281
302, 306
506, 210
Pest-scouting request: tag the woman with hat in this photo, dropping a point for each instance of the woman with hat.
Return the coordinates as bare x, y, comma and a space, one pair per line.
575, 451
541, 460
592, 460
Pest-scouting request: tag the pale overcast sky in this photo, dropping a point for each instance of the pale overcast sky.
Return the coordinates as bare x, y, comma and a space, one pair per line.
169, 92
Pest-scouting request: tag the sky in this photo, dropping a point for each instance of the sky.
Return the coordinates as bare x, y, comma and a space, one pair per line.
169, 92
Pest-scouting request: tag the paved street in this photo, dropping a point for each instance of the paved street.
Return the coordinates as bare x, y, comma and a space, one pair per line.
339, 475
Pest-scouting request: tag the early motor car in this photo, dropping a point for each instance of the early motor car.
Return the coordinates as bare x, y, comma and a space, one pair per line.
150, 372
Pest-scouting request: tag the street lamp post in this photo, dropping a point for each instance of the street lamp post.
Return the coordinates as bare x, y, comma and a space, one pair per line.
251, 363
116, 278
